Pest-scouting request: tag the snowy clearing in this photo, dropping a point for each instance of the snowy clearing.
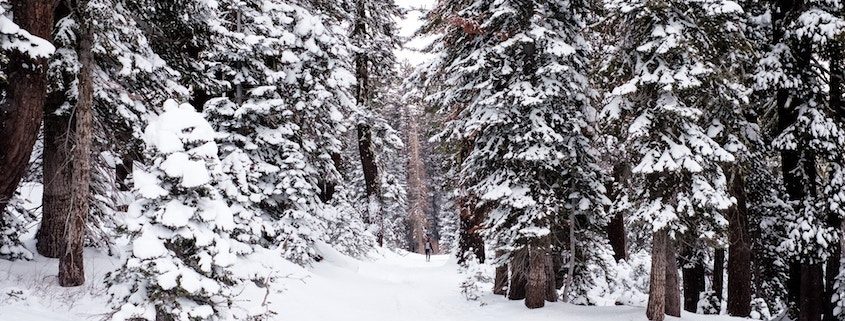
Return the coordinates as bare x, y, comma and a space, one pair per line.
388, 286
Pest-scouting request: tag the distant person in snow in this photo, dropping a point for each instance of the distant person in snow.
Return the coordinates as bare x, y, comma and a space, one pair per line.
428, 250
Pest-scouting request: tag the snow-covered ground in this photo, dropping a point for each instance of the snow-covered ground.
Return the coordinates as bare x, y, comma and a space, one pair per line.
386, 287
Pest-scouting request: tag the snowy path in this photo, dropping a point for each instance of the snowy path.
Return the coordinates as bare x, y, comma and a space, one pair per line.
388, 287
406, 288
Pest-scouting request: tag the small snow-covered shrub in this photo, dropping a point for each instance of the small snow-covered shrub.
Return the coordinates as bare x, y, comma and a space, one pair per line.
709, 303
474, 278
760, 310
12, 224
630, 287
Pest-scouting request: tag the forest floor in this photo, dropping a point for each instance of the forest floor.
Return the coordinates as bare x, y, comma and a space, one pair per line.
406, 287
387, 287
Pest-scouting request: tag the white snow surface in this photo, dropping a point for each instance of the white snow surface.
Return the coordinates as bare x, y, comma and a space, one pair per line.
388, 286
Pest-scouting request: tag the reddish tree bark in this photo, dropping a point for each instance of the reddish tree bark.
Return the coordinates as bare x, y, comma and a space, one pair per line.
20, 116
71, 267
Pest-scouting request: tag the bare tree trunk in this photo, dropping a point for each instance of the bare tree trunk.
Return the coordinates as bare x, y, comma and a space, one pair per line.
673, 287
536, 289
739, 256
719, 273
56, 199
693, 285
518, 279
20, 115
71, 269
500, 285
656, 308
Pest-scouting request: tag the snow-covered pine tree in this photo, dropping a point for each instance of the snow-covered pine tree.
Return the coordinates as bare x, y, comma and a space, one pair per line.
512, 75
374, 36
282, 102
184, 244
792, 75
666, 76
130, 81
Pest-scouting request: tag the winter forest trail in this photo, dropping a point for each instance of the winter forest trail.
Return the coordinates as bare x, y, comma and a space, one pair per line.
395, 287
387, 286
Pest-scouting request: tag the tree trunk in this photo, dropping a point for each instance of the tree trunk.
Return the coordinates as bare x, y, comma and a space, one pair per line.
810, 304
719, 273
56, 199
518, 280
673, 286
536, 288
71, 269
739, 256
616, 227
471, 220
693, 285
122, 171
20, 115
371, 179
831, 271
551, 288
616, 236
500, 285
657, 281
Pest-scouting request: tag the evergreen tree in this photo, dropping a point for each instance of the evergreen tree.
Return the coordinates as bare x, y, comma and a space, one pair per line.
129, 81
514, 73
809, 140
285, 92
668, 77
185, 238
374, 36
